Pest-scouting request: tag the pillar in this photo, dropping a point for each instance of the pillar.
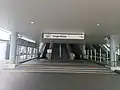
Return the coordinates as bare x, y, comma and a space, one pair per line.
13, 47
113, 50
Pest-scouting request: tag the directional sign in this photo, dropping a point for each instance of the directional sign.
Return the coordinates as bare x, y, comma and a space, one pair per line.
62, 36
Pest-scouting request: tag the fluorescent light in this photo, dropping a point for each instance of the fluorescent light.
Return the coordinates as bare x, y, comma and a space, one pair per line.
27, 39
2, 29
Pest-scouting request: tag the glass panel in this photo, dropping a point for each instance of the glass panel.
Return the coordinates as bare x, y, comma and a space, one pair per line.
22, 50
30, 52
23, 54
4, 35
3, 46
17, 52
34, 51
28, 56
22, 57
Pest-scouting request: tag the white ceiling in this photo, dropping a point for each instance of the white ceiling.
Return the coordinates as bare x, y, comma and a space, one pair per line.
61, 16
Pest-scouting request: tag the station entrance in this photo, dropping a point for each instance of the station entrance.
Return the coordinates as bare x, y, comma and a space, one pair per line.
72, 47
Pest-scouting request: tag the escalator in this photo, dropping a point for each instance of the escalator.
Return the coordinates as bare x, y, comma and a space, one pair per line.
64, 52
55, 52
76, 50
45, 51
60, 52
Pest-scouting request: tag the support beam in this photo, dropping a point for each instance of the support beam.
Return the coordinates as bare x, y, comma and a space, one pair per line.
13, 47
113, 50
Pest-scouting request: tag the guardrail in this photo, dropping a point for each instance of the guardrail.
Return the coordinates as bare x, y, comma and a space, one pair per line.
102, 58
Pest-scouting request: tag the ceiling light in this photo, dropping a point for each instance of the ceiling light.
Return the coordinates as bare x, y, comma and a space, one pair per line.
98, 24
32, 22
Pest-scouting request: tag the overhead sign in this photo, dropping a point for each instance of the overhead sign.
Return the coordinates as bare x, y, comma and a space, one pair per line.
63, 36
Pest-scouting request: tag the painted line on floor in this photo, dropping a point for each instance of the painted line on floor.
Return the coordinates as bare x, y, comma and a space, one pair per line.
60, 67
56, 64
67, 70
27, 71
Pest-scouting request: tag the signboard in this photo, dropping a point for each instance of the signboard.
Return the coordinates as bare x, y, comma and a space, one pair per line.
63, 36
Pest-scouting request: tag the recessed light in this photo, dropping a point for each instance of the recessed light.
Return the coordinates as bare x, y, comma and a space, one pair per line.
32, 22
98, 24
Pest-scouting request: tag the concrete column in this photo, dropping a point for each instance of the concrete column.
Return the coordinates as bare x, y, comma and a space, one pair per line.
13, 47
113, 50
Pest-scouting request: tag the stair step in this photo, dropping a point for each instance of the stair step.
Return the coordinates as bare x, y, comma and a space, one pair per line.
62, 71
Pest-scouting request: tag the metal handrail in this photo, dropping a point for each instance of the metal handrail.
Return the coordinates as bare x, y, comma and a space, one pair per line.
98, 57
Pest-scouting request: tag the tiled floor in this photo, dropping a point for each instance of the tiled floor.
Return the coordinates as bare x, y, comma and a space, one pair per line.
53, 81
57, 81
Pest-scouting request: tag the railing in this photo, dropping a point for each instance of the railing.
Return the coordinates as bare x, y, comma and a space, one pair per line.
98, 57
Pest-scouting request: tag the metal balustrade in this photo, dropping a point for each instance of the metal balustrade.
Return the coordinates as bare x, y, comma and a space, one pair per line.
98, 57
